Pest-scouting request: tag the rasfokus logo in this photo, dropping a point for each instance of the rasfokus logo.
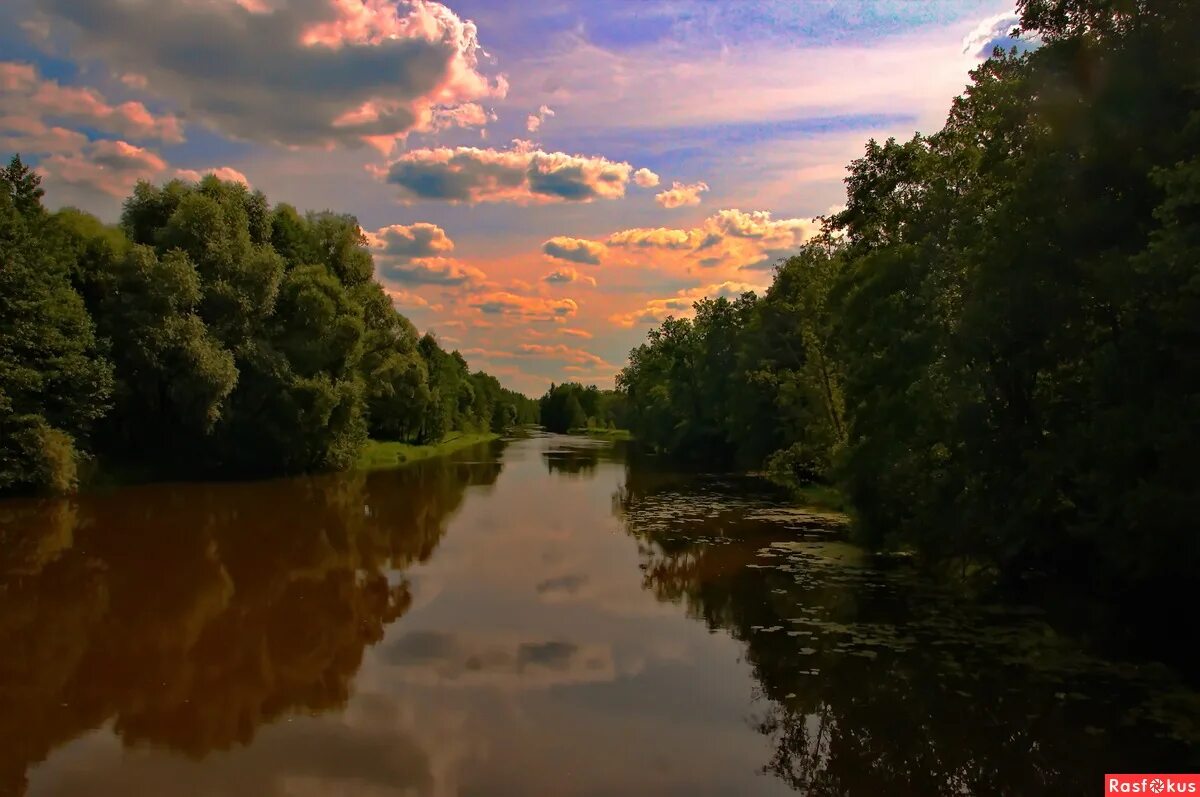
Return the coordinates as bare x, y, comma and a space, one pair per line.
1151, 784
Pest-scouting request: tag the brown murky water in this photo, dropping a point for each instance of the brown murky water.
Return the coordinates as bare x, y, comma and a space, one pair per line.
536, 617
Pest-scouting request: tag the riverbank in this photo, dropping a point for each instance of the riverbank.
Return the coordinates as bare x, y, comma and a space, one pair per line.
378, 454
603, 434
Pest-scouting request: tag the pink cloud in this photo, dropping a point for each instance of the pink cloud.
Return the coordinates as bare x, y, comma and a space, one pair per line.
23, 93
534, 121
30, 135
320, 73
110, 167
576, 333
681, 194
226, 173
451, 101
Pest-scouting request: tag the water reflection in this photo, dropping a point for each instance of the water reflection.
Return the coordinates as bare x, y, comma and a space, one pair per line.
874, 682
588, 622
190, 616
579, 457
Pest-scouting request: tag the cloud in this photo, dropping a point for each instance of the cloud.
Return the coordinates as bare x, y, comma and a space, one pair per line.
554, 352
421, 239
527, 308
680, 305
534, 121
576, 333
431, 271
33, 136
681, 194
416, 254
23, 94
728, 237
226, 173
522, 174
469, 114
403, 298
108, 167
560, 352
308, 73
996, 31
567, 275
574, 250
645, 178
449, 660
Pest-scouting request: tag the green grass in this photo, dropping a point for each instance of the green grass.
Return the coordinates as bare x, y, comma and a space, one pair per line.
607, 434
379, 454
821, 496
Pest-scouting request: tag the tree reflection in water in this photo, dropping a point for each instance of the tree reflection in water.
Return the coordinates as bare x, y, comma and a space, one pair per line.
578, 457
192, 615
873, 681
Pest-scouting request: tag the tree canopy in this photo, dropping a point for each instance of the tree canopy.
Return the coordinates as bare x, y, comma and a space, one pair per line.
209, 333
992, 349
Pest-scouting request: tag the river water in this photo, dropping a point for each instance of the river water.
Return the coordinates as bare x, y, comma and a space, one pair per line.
541, 616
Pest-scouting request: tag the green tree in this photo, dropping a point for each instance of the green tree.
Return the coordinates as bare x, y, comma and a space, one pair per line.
54, 382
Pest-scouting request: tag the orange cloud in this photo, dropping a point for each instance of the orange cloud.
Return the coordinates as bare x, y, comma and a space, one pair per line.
421, 239
645, 178
524, 308
415, 255
680, 305
574, 250
560, 352
567, 275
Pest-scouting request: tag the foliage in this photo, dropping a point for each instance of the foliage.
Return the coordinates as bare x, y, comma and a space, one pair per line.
54, 384
572, 406
227, 337
991, 350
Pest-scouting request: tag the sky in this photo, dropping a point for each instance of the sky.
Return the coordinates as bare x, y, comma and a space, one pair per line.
540, 182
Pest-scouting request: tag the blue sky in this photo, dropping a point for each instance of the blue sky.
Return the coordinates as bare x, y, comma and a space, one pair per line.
675, 142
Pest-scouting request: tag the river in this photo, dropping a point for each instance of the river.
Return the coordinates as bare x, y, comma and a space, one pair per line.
547, 615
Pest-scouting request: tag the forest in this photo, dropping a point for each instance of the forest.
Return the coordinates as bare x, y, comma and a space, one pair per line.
209, 334
992, 350
572, 406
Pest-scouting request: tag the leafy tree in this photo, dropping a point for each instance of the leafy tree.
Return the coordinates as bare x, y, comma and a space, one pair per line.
991, 349
54, 381
233, 338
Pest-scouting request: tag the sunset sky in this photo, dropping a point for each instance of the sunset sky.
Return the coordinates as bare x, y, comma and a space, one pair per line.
541, 181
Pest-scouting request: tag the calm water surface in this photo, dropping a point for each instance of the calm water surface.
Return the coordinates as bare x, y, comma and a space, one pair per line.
536, 617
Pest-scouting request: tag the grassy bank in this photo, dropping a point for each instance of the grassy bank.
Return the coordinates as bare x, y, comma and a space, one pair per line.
821, 496
385, 454
605, 434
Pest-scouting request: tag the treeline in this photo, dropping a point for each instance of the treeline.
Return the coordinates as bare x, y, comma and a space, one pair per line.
992, 350
572, 406
209, 333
